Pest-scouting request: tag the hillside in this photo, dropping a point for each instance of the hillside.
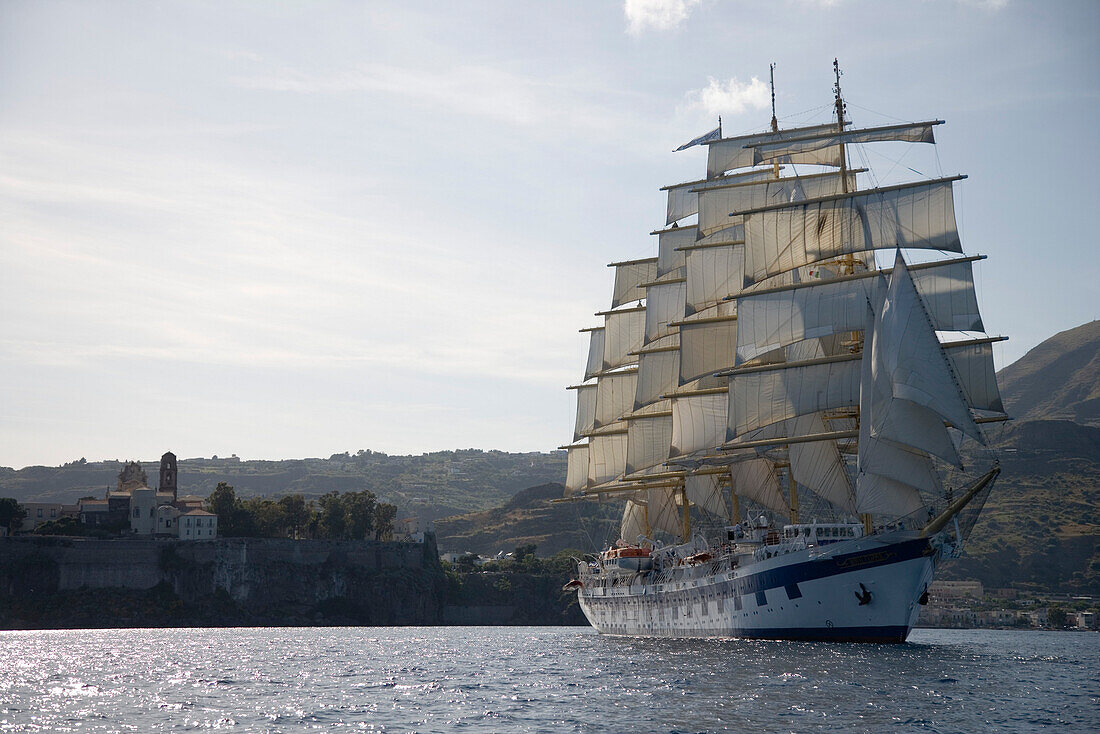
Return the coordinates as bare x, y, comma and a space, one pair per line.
428, 486
530, 517
1059, 379
1041, 525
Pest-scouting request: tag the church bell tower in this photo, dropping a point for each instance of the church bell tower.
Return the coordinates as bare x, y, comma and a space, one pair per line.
168, 474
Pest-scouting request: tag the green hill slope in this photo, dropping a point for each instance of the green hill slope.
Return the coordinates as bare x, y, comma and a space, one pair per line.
529, 517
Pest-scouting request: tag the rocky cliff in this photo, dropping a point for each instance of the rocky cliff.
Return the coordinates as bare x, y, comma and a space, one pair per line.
51, 582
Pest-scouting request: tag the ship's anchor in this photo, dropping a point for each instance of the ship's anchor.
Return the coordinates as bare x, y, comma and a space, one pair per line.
865, 597
923, 600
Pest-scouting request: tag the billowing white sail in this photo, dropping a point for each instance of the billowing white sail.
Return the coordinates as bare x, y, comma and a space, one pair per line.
658, 369
812, 309
698, 422
663, 511
586, 411
761, 396
756, 479
664, 305
707, 343
712, 274
879, 490
629, 277
718, 204
614, 397
683, 200
670, 256
730, 153
607, 457
919, 215
817, 465
624, 334
648, 439
948, 294
576, 473
919, 132
709, 491
909, 354
633, 524
595, 353
973, 364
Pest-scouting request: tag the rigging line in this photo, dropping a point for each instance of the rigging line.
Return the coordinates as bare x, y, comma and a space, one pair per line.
876, 112
806, 112
897, 162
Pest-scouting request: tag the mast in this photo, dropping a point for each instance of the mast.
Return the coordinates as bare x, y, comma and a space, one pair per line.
687, 512
839, 125
775, 121
849, 260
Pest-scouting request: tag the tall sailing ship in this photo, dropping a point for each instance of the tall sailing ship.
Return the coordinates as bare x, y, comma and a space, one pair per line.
774, 384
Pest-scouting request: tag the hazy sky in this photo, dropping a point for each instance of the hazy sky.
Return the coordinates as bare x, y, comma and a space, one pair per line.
292, 229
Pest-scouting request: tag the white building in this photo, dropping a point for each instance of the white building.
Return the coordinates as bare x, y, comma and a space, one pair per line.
197, 525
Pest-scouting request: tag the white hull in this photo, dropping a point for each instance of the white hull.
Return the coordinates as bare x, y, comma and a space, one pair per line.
809, 594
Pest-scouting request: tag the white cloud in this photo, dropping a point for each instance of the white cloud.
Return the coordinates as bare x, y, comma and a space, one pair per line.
661, 15
733, 97
985, 4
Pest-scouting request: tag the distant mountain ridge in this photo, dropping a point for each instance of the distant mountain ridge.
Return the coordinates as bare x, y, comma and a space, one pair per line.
1057, 380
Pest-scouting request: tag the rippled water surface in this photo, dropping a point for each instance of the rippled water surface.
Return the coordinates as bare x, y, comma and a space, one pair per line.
540, 679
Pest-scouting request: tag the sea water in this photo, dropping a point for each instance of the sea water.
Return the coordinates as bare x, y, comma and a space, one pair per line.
540, 679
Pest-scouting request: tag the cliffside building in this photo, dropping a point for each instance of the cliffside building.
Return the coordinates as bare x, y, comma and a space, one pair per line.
156, 512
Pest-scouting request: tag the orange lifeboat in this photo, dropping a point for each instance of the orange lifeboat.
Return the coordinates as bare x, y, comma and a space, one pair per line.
572, 584
631, 557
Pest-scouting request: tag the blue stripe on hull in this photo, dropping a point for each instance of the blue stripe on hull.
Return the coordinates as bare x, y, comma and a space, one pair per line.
794, 574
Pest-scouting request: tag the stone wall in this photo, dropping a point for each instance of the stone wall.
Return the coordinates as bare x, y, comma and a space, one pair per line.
257, 579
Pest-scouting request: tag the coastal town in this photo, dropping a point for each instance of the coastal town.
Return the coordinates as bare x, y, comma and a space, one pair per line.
132, 506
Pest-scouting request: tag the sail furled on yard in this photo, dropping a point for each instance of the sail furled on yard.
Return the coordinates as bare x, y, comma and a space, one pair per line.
629, 277
781, 238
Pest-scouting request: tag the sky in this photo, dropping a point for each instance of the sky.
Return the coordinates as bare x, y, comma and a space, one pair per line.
283, 230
